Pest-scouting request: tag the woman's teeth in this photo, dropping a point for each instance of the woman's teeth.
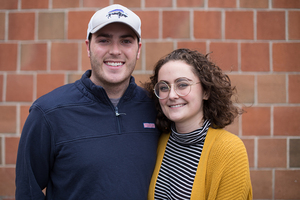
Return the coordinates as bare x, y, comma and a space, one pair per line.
176, 106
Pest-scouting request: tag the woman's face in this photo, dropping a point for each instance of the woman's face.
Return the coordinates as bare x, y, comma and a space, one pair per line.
185, 111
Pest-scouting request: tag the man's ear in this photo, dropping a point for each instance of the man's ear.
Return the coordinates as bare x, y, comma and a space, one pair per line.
87, 44
139, 51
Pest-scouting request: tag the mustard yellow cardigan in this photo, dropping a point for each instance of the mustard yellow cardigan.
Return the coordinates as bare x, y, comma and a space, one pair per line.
223, 169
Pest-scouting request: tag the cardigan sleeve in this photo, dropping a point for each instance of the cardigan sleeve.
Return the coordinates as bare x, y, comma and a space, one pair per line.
228, 175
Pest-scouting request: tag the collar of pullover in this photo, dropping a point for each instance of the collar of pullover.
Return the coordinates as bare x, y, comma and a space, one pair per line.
98, 92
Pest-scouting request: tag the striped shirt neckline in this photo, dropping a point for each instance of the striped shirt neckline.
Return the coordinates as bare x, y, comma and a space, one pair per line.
178, 168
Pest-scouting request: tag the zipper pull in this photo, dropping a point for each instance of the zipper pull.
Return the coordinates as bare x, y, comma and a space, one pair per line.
117, 112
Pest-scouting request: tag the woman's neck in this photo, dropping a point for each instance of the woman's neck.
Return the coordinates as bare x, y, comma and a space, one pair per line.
187, 127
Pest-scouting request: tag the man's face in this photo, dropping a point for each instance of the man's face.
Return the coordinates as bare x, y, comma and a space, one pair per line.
113, 52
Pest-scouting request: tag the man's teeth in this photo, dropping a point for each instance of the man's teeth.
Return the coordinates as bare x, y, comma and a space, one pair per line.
114, 63
176, 106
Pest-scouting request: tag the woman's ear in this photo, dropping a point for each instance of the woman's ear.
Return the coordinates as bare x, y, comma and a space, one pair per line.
205, 95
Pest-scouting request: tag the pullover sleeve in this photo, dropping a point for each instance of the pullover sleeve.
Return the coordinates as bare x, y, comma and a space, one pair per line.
34, 157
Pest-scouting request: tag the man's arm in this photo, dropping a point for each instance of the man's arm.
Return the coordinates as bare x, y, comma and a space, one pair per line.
33, 159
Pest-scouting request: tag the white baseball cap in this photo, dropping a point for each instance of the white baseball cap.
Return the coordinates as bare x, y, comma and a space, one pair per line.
111, 14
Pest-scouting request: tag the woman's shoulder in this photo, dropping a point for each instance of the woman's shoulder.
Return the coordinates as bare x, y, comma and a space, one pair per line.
224, 140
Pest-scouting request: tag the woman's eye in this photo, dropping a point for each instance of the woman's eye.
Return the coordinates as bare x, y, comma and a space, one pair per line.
163, 89
182, 86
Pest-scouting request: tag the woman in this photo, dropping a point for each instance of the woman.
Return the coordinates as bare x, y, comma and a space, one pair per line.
196, 158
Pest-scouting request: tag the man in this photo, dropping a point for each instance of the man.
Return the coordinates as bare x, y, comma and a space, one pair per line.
95, 138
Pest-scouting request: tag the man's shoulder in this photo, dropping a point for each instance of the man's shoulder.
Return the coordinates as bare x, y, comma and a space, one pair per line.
62, 96
142, 94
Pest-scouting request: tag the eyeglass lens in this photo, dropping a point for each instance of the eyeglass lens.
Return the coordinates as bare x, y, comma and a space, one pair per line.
182, 88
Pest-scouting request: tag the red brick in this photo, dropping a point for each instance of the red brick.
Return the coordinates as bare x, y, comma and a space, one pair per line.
207, 24
239, 25
199, 46
254, 3
129, 4
19, 88
21, 26
8, 117
150, 24
51, 25
234, 127
24, 111
9, 4
271, 88
65, 3
1, 162
225, 55
270, 25
95, 3
7, 183
255, 57
8, 198
33, 4
287, 184
2, 26
77, 24
222, 4
294, 25
8, 57
1, 87
286, 4
153, 55
272, 153
286, 57
294, 92
286, 121
141, 78
256, 121
11, 149
48, 82
249, 144
261, 184
176, 24
190, 3
294, 153
34, 56
245, 87
64, 56
73, 77
158, 3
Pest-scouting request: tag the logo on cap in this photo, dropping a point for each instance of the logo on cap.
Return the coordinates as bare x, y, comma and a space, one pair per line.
119, 12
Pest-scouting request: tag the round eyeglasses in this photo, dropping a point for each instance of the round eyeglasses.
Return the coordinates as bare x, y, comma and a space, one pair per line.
182, 87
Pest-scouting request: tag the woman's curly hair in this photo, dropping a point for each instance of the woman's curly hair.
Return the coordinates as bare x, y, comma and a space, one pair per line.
218, 108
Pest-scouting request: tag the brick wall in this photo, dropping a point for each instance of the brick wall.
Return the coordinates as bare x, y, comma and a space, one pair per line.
257, 42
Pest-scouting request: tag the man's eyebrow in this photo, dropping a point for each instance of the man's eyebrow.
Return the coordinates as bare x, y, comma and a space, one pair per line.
104, 35
128, 35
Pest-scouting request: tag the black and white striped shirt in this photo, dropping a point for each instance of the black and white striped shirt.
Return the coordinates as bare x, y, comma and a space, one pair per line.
179, 165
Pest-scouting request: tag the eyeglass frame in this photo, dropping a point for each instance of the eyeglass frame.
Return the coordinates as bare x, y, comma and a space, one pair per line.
169, 87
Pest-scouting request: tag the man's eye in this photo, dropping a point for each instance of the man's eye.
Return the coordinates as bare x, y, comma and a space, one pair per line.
103, 41
126, 41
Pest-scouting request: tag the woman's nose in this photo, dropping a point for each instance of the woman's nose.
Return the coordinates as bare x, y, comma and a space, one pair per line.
172, 93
